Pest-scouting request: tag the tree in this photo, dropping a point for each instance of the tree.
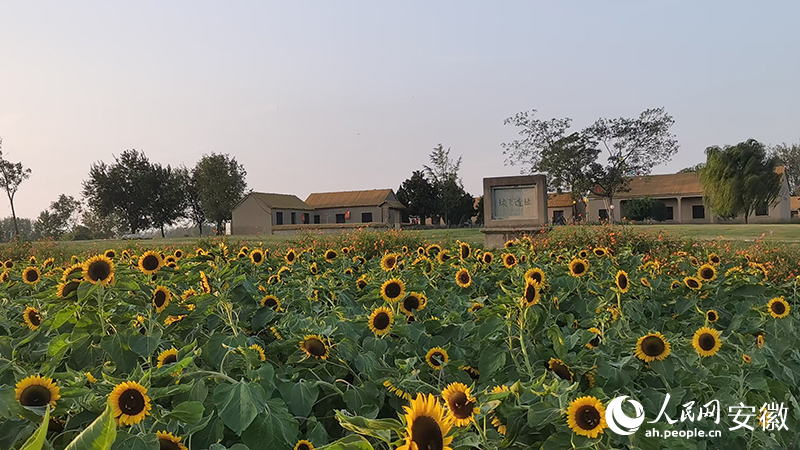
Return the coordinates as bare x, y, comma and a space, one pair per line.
220, 185
59, 219
194, 207
124, 188
418, 195
634, 147
479, 218
789, 157
693, 169
7, 229
101, 226
443, 174
463, 210
168, 189
47, 225
11, 176
738, 179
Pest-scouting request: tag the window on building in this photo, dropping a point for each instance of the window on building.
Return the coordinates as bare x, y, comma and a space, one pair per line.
294, 218
316, 218
340, 218
558, 214
762, 210
366, 217
669, 215
698, 212
603, 214
278, 218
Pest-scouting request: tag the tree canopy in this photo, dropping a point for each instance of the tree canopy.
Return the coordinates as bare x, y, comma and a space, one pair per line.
789, 156
220, 182
738, 179
11, 176
418, 195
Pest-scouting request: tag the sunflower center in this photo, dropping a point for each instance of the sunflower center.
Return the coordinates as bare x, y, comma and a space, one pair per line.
150, 262
653, 346
530, 293
302, 447
464, 253
99, 270
330, 255
537, 277
707, 341
437, 358
315, 347
270, 302
460, 405
70, 287
425, 432
562, 371
390, 263
595, 342
31, 275
579, 268
168, 444
257, 257
778, 308
623, 281
35, 319
290, 257
411, 303
35, 395
393, 290
487, 258
712, 316
169, 359
511, 260
588, 417
160, 298
381, 321
131, 402
707, 274
463, 277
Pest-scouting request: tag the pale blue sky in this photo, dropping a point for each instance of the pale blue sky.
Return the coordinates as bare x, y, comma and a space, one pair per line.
320, 96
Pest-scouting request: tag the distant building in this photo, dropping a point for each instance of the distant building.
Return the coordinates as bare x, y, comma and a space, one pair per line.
562, 209
373, 206
795, 207
258, 212
682, 193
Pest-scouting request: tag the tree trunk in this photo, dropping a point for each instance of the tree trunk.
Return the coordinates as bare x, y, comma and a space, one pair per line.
14, 216
220, 230
745, 217
200, 227
162, 231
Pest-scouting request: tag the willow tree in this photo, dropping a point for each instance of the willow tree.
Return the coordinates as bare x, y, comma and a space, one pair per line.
740, 178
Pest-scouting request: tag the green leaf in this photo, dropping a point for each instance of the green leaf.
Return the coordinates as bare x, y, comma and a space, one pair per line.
490, 362
61, 317
303, 396
276, 429
145, 345
100, 435
363, 403
128, 442
377, 428
36, 440
188, 412
559, 346
239, 404
352, 442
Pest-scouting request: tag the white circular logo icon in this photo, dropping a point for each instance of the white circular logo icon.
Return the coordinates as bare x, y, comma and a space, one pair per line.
618, 421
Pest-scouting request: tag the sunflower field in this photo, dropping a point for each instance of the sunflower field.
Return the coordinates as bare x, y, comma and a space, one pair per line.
428, 348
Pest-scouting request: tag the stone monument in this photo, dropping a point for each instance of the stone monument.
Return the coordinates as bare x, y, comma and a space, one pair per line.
512, 207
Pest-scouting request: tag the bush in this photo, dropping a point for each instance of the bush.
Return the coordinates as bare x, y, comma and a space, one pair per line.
639, 209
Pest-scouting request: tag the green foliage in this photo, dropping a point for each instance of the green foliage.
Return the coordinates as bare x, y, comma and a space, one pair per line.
789, 156
11, 176
740, 178
644, 209
418, 195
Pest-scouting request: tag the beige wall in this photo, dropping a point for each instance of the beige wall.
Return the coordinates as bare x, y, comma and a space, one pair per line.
568, 210
287, 216
379, 215
251, 217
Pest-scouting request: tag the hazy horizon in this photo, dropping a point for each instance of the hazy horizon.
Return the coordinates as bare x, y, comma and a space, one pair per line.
314, 97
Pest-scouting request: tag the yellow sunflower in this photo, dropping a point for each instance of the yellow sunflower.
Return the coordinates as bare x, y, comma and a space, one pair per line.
8, 264
397, 391
90, 378
509, 260
4, 276
414, 301
204, 284
381, 320
623, 283
130, 402
714, 259
389, 262
536, 274
330, 255
48, 263
645, 282
393, 290
32, 317
257, 257
651, 347
531, 295
443, 256
178, 253
487, 258
31, 275
167, 441
427, 427
707, 272
313, 268
712, 316
271, 301
473, 373
110, 253
760, 341
98, 270
464, 250
583, 254
36, 390
578, 267
600, 251
32, 260
693, 283
674, 285
746, 358
510, 243
291, 256
778, 307
315, 347
361, 283
496, 422
161, 298
463, 279
260, 350
168, 357
562, 370
188, 294
433, 249
586, 416
150, 262
461, 406
436, 357
706, 341
303, 444
595, 341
